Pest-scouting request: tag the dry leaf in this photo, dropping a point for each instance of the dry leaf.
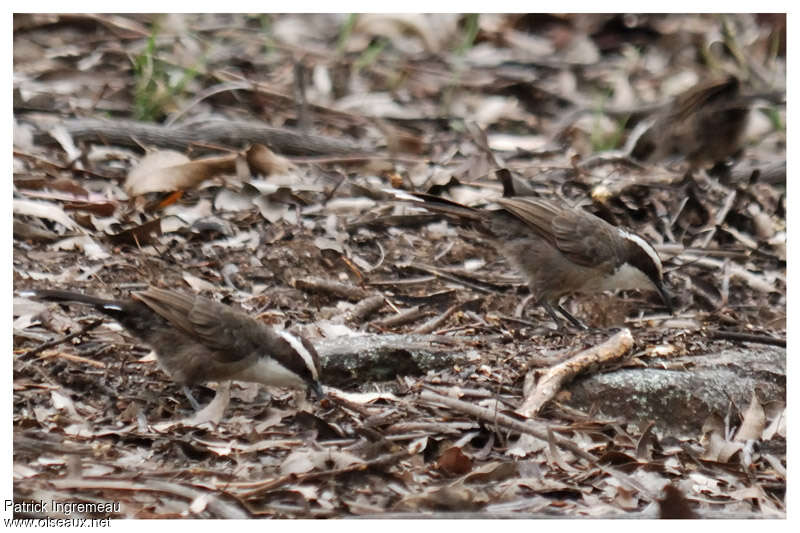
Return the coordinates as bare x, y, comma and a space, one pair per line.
305, 460
90, 248
141, 235
454, 462
198, 284
754, 422
491, 472
167, 171
46, 210
265, 162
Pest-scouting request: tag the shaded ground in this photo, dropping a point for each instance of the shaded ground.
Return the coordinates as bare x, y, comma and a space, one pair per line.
305, 231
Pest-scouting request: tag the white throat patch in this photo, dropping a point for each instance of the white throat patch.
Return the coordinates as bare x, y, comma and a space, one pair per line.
628, 277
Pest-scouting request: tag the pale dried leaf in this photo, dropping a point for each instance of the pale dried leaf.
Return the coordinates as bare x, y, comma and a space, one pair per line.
166, 171
491, 472
265, 162
228, 200
27, 307
214, 411
198, 284
776, 427
23, 136
754, 422
328, 244
189, 215
272, 444
526, 445
46, 210
23, 471
200, 503
298, 462
63, 402
417, 445
718, 449
364, 398
345, 206
25, 321
90, 247
275, 211
306, 460
62, 136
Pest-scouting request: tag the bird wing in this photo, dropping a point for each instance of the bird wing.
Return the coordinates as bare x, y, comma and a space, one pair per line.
229, 333
705, 97
582, 237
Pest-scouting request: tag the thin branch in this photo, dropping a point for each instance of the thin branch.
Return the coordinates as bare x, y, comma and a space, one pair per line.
747, 337
56, 342
613, 348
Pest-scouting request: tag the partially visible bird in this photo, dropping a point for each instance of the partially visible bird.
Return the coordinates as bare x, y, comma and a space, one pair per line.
704, 124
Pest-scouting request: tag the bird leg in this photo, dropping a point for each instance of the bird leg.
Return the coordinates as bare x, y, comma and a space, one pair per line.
575, 322
559, 323
190, 397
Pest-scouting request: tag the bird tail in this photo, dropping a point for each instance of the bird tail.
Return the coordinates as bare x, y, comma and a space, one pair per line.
437, 204
102, 304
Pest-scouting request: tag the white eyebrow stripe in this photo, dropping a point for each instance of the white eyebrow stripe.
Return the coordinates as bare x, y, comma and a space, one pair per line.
646, 246
301, 350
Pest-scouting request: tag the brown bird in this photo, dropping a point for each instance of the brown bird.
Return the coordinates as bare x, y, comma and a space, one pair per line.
705, 125
198, 340
561, 250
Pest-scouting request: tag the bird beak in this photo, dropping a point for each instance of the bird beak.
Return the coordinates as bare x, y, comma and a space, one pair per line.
316, 388
662, 291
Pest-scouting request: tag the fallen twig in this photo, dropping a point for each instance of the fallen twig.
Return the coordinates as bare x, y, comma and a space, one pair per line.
722, 214
539, 430
404, 317
551, 383
436, 322
216, 505
259, 487
75, 359
222, 132
342, 290
747, 337
365, 307
754, 281
55, 342
529, 427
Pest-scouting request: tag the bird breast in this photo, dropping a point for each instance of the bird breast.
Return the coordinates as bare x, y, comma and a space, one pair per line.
268, 371
626, 277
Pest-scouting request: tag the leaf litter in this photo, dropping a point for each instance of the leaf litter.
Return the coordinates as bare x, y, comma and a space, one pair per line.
419, 323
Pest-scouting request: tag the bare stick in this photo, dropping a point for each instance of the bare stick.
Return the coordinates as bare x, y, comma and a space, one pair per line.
722, 214
551, 383
538, 430
254, 488
56, 342
365, 307
748, 337
340, 290
403, 317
